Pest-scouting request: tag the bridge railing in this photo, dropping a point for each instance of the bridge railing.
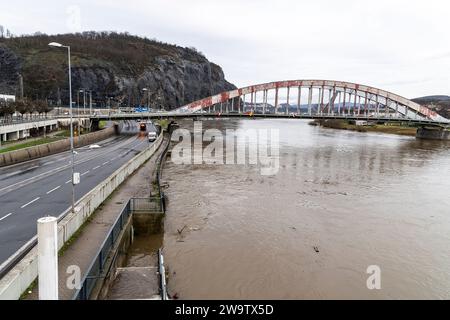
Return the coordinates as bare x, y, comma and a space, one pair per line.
12, 121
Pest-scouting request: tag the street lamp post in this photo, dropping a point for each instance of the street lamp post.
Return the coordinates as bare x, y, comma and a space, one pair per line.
90, 102
72, 151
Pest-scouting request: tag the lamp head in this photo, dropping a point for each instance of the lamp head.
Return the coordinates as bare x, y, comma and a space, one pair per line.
55, 44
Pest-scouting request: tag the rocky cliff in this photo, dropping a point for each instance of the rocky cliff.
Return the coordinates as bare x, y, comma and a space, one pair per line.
112, 65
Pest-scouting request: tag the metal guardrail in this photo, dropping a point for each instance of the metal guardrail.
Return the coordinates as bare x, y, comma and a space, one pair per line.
162, 276
160, 163
96, 269
152, 204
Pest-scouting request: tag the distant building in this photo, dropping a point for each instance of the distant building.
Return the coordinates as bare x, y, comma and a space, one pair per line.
362, 123
7, 97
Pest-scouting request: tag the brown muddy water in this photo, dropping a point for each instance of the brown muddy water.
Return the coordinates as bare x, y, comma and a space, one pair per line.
340, 202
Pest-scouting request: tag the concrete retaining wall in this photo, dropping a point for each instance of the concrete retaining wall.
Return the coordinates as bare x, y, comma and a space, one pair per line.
433, 134
13, 284
147, 223
47, 149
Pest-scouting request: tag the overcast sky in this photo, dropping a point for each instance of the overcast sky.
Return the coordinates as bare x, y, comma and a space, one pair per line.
397, 45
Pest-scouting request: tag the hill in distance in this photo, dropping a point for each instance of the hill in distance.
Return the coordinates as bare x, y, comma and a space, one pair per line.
438, 103
114, 65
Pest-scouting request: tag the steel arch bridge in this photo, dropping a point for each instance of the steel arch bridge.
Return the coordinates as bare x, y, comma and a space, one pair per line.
315, 99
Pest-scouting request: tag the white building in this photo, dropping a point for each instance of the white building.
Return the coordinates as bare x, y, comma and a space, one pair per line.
7, 97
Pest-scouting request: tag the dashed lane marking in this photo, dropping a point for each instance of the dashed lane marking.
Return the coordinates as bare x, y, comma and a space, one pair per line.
27, 204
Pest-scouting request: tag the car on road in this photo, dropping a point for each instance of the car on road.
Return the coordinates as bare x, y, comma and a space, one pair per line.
152, 136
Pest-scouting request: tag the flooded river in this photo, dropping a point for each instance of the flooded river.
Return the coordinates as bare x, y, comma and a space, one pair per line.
340, 202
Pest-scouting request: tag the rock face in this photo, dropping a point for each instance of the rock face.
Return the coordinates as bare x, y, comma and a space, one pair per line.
9, 70
173, 75
440, 104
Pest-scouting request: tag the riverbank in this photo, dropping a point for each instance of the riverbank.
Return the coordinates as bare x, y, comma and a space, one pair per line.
382, 128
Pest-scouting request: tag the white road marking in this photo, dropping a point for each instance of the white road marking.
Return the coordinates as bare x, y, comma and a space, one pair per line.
85, 173
54, 189
12, 173
27, 204
6, 216
27, 181
105, 163
95, 168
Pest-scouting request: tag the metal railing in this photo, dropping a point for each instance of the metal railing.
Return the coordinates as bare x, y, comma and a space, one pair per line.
152, 205
162, 276
160, 163
96, 269
9, 121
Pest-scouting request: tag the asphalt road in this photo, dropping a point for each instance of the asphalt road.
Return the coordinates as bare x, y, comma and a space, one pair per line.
42, 187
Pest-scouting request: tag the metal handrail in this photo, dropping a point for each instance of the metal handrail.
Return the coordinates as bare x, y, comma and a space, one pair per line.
162, 275
89, 280
96, 268
6, 122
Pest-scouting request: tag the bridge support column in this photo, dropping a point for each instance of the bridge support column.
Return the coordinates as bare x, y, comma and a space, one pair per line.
366, 106
309, 100
276, 100
253, 97
377, 108
322, 94
287, 102
433, 133
265, 101
343, 106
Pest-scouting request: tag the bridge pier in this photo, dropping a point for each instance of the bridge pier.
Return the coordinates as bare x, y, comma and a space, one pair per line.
433, 133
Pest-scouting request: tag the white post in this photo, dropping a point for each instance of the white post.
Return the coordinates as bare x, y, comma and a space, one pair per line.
47, 258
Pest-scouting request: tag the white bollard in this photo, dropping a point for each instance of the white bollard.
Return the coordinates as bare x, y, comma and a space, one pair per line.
47, 258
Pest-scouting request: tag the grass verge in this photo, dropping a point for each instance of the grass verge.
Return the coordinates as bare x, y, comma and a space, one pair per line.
29, 144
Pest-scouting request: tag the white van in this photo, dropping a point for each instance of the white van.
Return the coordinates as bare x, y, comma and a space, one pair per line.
152, 136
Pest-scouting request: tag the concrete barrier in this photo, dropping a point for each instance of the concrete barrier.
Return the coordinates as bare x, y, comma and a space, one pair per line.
26, 154
18, 279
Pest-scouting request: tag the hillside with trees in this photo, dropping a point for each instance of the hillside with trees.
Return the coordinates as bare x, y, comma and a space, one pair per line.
440, 104
115, 67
